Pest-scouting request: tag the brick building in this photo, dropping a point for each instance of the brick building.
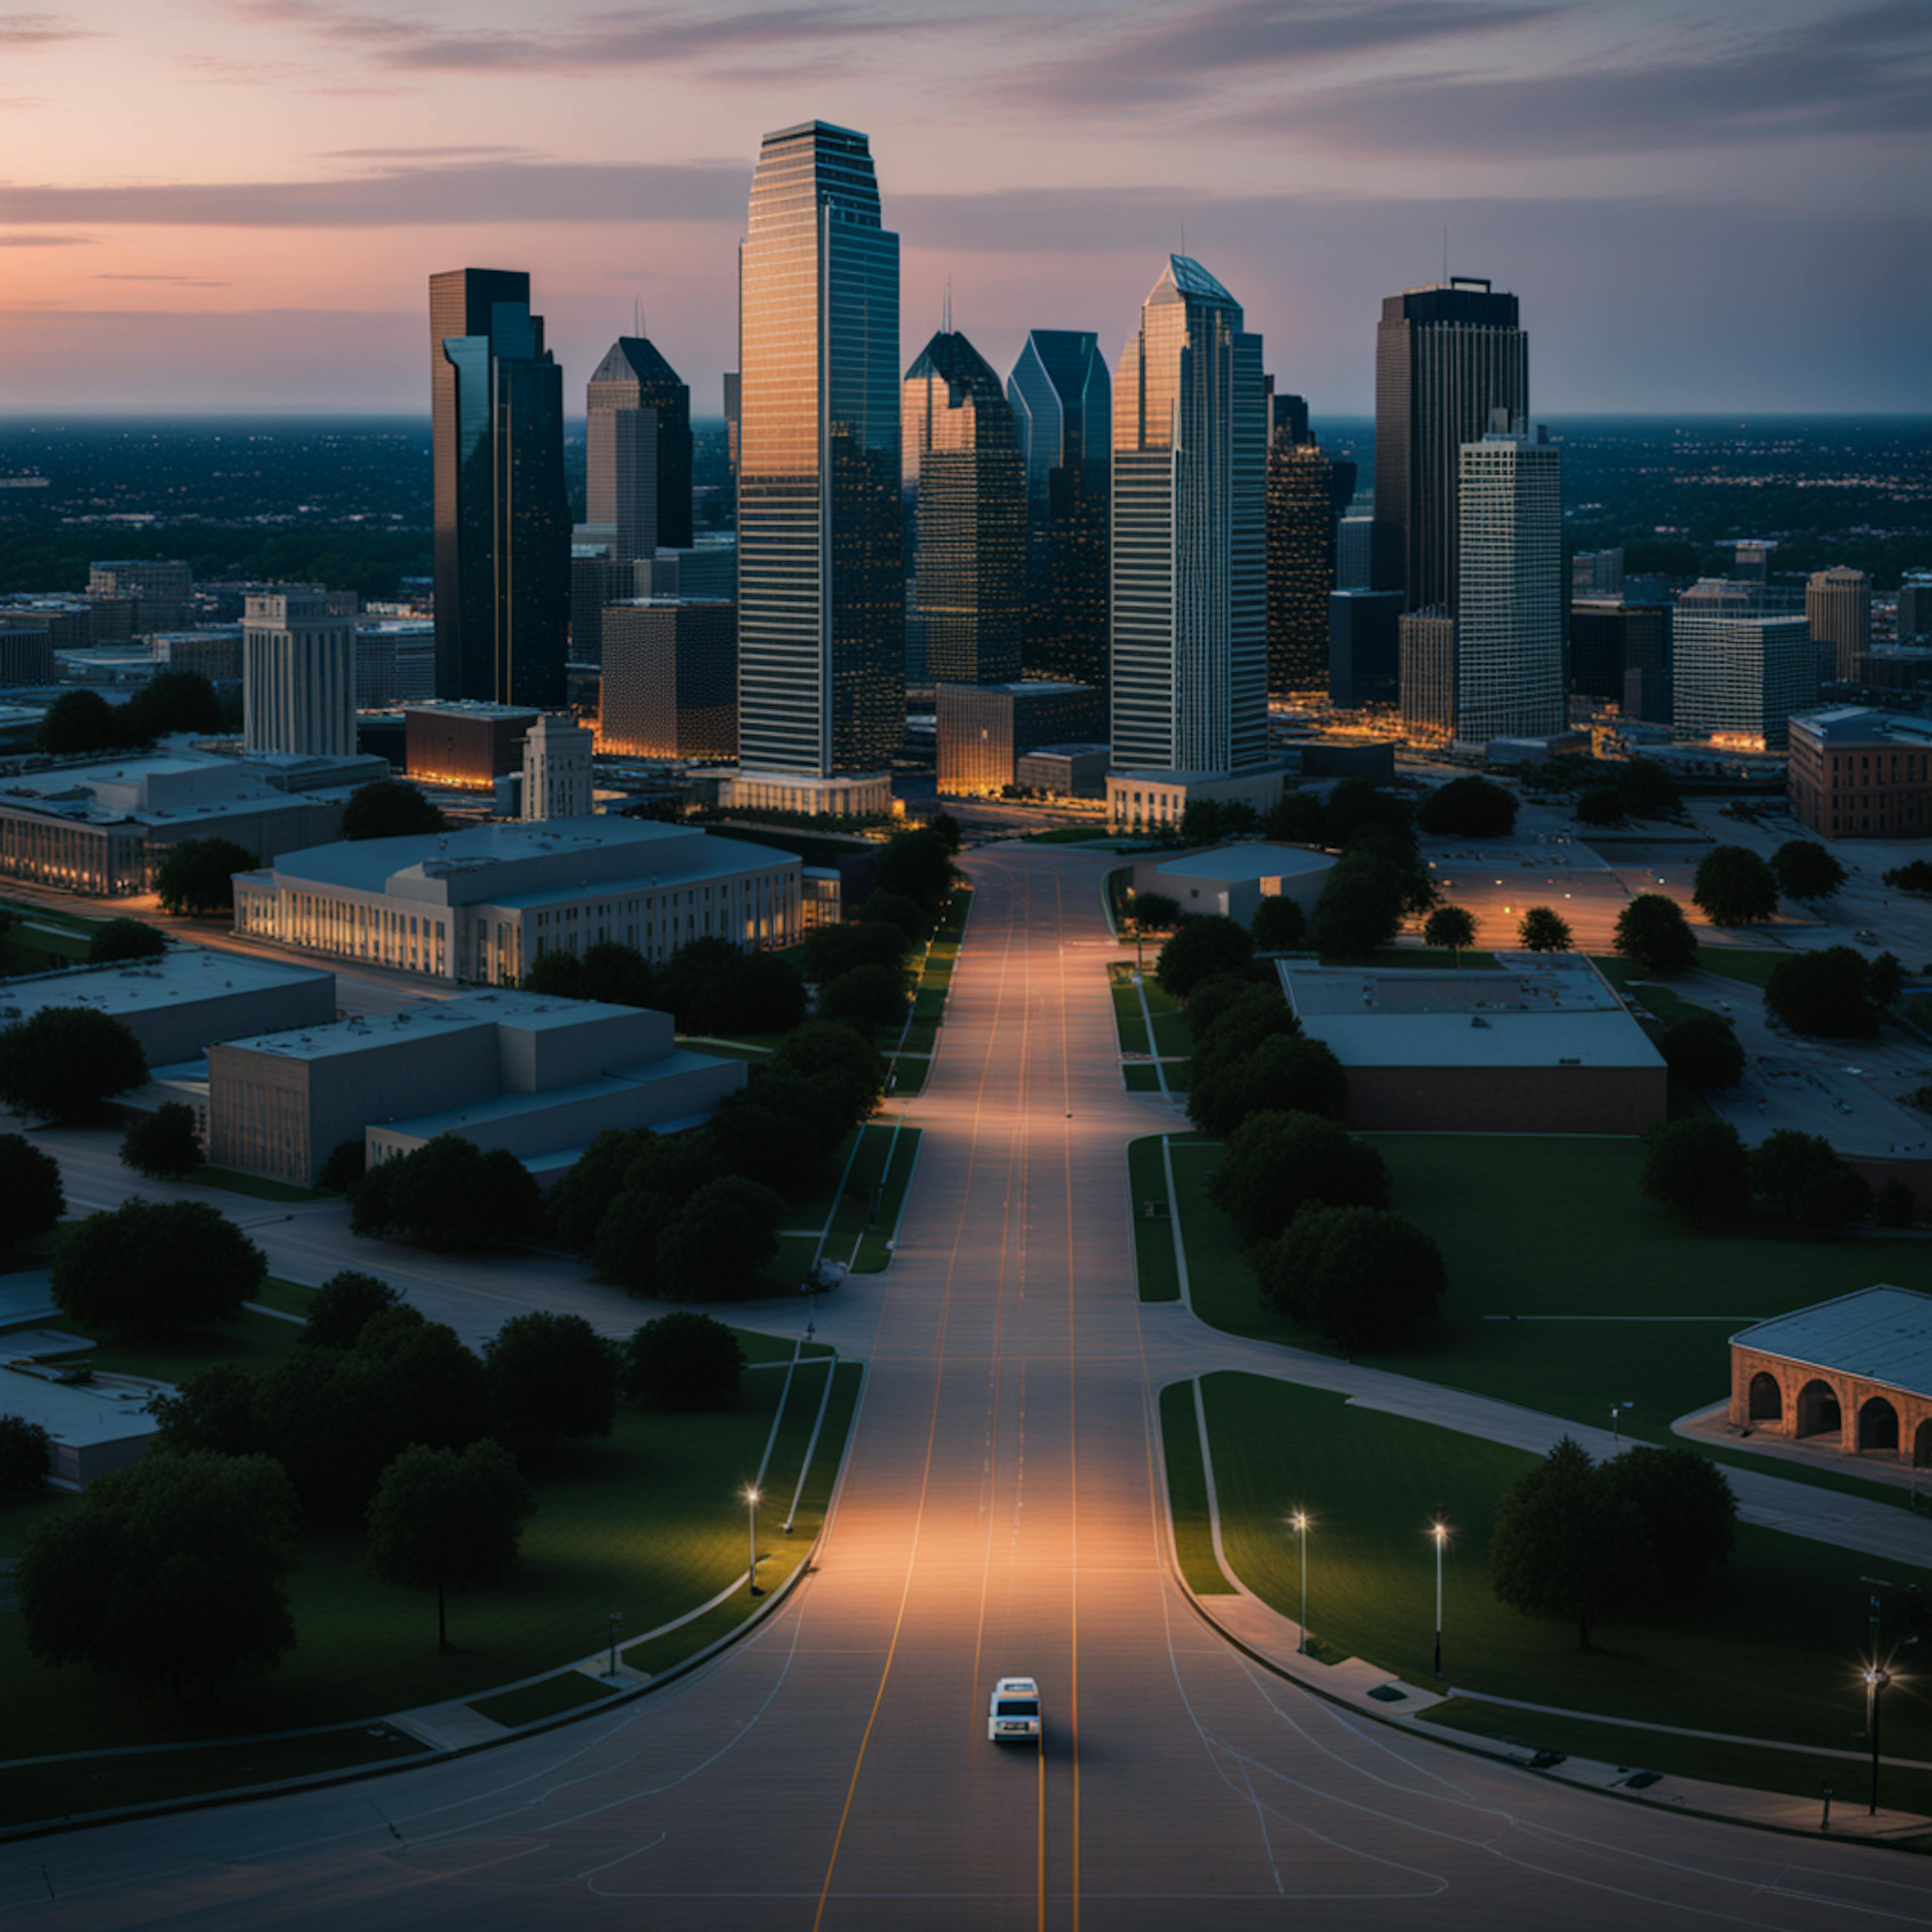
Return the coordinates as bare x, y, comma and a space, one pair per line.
1856, 773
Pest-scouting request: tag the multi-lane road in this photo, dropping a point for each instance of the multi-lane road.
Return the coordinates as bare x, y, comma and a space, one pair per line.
1001, 1512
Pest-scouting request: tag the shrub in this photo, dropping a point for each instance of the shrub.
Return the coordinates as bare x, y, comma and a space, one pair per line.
1703, 1052
31, 1199
1275, 1162
166, 1144
1469, 808
1203, 946
1363, 1276
124, 939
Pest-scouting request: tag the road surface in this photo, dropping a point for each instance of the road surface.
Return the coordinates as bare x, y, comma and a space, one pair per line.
999, 1514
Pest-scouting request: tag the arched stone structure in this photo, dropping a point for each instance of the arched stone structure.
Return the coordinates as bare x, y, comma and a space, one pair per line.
1818, 1411
1878, 1425
1766, 1400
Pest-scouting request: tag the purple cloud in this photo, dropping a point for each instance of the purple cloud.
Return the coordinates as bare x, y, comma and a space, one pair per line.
39, 30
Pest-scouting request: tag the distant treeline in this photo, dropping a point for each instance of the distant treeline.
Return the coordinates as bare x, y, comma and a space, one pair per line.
37, 556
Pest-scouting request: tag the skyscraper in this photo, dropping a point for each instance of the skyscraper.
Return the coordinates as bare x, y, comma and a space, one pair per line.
1742, 662
1303, 485
1509, 613
821, 589
1062, 410
502, 510
297, 675
1426, 645
1446, 357
961, 459
1189, 544
1838, 602
637, 451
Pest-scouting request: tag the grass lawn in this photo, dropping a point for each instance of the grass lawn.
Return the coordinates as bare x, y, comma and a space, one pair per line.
1535, 1226
864, 1179
258, 1341
290, 1297
1154, 1241
929, 1006
741, 1046
873, 1256
1635, 983
257, 1185
1751, 964
548, 1697
952, 923
1187, 1488
1141, 1079
1128, 1022
1769, 1649
1171, 1039
908, 1076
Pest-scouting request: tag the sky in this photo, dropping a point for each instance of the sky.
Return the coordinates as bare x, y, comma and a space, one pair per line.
1706, 206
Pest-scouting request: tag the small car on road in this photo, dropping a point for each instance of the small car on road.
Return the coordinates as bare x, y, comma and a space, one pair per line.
1013, 1718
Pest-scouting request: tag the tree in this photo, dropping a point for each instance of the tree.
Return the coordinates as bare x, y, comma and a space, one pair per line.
446, 1519
1285, 1074
124, 939
550, 1376
66, 1060
1897, 1206
831, 950
1703, 1052
175, 1568
618, 975
1833, 1198
198, 875
1218, 996
1543, 929
154, 1267
1205, 944
31, 1199
171, 701
555, 974
1297, 819
26, 1456
1360, 907
710, 986
1363, 1276
682, 1361
344, 1305
780, 1131
584, 1190
1683, 1500
945, 827
1782, 1162
219, 1410
844, 1065
1698, 1164
1600, 805
1355, 803
344, 1165
1734, 887
1823, 994
1155, 912
867, 996
1279, 924
1885, 980
716, 1245
1915, 876
389, 808
1653, 933
917, 864
166, 1144
1274, 1162
1805, 870
1470, 808
1228, 1031
625, 1249
79, 721
1649, 790
895, 909
1450, 925
449, 1193
1567, 1543
764, 994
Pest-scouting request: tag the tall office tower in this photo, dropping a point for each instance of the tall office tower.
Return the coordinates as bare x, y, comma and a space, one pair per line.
1839, 603
1742, 662
638, 450
160, 586
1597, 573
821, 622
1190, 537
1620, 654
1753, 559
1446, 359
556, 770
731, 416
1301, 572
670, 679
961, 454
1063, 401
1288, 417
1509, 611
1426, 647
1915, 607
502, 513
297, 675
1364, 649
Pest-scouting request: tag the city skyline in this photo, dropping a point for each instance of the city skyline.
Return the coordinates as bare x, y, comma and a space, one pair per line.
1587, 161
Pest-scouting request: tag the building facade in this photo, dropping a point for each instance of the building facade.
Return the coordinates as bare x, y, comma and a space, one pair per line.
471, 746
26, 652
1301, 520
1838, 601
1364, 648
670, 679
501, 511
1855, 773
984, 730
556, 770
1447, 358
638, 450
298, 676
960, 460
1425, 643
1742, 662
821, 666
1189, 685
1062, 401
214, 652
159, 587
1620, 654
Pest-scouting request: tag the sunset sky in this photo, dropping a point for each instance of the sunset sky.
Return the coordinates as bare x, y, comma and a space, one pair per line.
1715, 204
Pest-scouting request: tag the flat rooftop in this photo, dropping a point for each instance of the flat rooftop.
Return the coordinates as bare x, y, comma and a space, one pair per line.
1882, 1333
507, 1106
1237, 863
527, 1013
178, 977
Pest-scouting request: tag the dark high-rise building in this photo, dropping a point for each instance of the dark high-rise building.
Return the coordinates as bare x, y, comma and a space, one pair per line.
1364, 648
501, 510
1839, 603
637, 451
1447, 358
670, 679
1620, 652
962, 462
1302, 486
821, 584
1063, 409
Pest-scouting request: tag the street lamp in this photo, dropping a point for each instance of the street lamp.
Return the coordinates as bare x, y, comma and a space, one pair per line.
1439, 1530
752, 1524
1298, 1522
1617, 1410
1876, 1680
617, 1618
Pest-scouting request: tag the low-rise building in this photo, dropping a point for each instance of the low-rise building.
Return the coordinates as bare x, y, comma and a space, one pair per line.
26, 652
540, 1077
481, 903
1150, 801
1233, 880
95, 1421
1538, 1044
1856, 773
467, 742
983, 730
1063, 771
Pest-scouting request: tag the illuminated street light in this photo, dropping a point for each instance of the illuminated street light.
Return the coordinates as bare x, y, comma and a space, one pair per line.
1617, 1410
751, 1524
1439, 1530
1298, 1522
1876, 1680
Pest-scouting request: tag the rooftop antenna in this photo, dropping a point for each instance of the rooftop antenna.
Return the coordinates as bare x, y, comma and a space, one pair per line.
946, 309
1445, 254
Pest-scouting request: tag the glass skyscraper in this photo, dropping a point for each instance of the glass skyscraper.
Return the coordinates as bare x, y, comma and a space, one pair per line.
1306, 492
1446, 359
637, 451
1063, 408
1190, 543
501, 510
962, 462
821, 672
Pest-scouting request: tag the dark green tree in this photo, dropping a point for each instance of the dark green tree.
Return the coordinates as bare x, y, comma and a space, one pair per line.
1202, 946
218, 1410
1885, 980
31, 1199
555, 974
80, 722
1653, 933
1782, 1162
1805, 870
915, 865
1543, 929
451, 1194
166, 1144
947, 829
1355, 804
1155, 912
1704, 1052
344, 1305
1649, 790
1360, 908
910, 917
344, 1165
831, 950
585, 1190
765, 994
1734, 887
626, 1245
550, 1376
26, 1456
1600, 805
1279, 925
171, 700
1833, 1199
1285, 1074
715, 1247
446, 1519
1700, 1165
1273, 1162
65, 1061
390, 808
780, 1131
1228, 1031
1897, 1206
869, 997
844, 1065
682, 1361
1914, 877
124, 939
175, 1569
1221, 994
1689, 1515
1363, 1276
197, 876
1452, 926
1297, 819
154, 1267
1824, 993
1469, 808
618, 975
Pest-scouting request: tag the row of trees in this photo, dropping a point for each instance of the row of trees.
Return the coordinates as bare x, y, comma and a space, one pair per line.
1703, 1167
1735, 887
1607, 791
80, 722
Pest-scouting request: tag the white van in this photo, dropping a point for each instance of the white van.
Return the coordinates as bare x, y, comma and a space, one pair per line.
1014, 1716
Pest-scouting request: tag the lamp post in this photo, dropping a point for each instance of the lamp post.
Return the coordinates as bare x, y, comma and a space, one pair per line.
1617, 1410
1299, 1521
1439, 1530
617, 1618
751, 1525
1876, 1680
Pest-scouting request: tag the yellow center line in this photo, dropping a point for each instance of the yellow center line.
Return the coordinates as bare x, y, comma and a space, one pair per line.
1073, 1409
